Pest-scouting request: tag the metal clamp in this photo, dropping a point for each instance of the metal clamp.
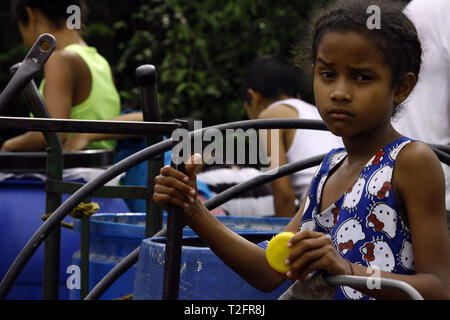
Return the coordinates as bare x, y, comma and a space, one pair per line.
30, 66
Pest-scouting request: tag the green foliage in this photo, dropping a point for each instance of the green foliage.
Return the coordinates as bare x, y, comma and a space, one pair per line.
200, 48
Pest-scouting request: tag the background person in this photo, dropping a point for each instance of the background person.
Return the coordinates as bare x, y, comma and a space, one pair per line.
77, 82
431, 124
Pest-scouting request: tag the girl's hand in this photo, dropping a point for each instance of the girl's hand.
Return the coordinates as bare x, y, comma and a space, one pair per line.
173, 187
314, 251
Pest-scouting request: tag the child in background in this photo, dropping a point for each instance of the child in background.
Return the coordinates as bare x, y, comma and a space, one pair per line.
378, 202
77, 83
272, 90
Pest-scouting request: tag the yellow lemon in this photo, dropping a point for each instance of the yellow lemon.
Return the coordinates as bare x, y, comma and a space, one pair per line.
277, 251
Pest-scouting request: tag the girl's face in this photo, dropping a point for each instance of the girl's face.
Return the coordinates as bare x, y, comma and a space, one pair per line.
352, 84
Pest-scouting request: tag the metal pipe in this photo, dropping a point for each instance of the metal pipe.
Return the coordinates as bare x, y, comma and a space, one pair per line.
361, 282
442, 147
146, 77
138, 128
54, 171
172, 258
85, 238
442, 154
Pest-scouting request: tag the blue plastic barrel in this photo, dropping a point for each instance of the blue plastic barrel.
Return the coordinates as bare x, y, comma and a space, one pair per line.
114, 236
22, 203
203, 276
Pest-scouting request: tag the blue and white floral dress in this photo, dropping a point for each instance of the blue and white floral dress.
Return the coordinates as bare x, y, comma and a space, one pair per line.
364, 223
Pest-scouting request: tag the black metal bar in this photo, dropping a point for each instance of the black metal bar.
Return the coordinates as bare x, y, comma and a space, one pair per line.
146, 77
54, 168
87, 126
172, 261
50, 277
124, 192
53, 200
84, 254
442, 147
441, 153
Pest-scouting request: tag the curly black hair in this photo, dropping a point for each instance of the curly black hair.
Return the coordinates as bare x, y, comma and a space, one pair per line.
396, 38
54, 10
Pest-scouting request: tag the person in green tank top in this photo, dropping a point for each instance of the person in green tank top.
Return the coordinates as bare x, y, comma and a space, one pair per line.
77, 82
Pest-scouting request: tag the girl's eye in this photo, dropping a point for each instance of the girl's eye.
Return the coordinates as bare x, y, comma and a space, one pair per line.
363, 77
327, 74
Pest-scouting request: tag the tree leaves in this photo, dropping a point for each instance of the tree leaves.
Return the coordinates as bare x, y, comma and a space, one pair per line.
201, 49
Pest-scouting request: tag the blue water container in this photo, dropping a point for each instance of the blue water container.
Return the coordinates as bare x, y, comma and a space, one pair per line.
22, 203
114, 236
203, 276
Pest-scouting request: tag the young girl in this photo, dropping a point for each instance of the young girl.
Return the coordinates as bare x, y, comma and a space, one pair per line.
78, 81
378, 202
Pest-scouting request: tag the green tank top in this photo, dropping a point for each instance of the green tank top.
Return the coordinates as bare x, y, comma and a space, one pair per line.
103, 102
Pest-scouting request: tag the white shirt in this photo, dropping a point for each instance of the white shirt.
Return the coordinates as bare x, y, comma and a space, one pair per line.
306, 144
254, 203
426, 116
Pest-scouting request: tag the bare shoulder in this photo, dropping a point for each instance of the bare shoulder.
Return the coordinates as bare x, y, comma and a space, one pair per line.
60, 57
63, 61
280, 111
417, 155
58, 70
419, 177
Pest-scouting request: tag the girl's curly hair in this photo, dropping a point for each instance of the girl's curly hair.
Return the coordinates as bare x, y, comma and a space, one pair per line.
396, 38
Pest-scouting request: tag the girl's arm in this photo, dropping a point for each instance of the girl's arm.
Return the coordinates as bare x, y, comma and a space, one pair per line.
241, 255
420, 182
